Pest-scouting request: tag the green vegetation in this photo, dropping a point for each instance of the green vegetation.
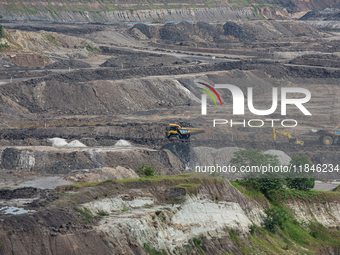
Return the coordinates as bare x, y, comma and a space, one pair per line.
125, 209
253, 157
87, 217
4, 46
81, 185
146, 171
102, 213
87, 46
299, 182
153, 251
191, 189
2, 31
265, 183
280, 234
265, 4
275, 217
50, 38
281, 230
1, 16
95, 8
271, 183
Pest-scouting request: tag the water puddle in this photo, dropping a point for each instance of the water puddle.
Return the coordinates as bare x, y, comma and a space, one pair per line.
44, 182
14, 210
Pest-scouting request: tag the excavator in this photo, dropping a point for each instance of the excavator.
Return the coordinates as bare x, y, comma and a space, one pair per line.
291, 139
328, 136
176, 132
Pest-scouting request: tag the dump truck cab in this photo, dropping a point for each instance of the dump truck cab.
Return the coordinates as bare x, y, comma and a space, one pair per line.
176, 132
328, 136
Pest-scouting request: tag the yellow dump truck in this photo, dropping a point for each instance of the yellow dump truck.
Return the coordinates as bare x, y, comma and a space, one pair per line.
291, 139
328, 136
176, 132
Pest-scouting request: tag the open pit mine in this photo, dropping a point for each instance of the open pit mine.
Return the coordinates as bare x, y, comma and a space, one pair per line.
118, 119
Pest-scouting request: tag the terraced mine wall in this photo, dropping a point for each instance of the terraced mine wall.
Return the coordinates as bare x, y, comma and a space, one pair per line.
143, 11
62, 160
120, 16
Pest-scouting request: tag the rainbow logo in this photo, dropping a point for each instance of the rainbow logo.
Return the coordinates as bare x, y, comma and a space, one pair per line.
209, 93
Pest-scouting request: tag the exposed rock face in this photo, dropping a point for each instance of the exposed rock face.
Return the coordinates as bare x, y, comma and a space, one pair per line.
125, 11
134, 218
101, 174
195, 14
176, 224
327, 213
50, 231
63, 160
29, 60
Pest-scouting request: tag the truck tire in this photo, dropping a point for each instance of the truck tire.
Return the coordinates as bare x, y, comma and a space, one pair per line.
193, 138
327, 140
320, 139
174, 137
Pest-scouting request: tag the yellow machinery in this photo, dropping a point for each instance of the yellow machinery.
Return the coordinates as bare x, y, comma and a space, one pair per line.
176, 132
289, 136
328, 136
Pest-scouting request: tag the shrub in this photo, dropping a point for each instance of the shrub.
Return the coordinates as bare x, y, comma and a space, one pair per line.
146, 171
102, 213
302, 182
2, 32
276, 217
266, 183
316, 234
253, 157
197, 242
87, 46
252, 229
4, 46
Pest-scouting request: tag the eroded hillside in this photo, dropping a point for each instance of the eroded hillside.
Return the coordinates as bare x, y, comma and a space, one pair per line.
146, 11
179, 214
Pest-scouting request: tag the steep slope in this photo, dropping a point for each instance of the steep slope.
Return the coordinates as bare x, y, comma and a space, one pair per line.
182, 214
119, 11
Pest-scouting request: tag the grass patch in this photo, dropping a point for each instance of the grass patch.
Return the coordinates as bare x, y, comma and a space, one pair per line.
87, 217
125, 209
191, 189
50, 38
4, 46
81, 185
313, 195
157, 178
87, 46
247, 189
153, 251
2, 31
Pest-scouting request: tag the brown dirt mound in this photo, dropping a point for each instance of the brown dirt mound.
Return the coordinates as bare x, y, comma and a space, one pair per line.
29, 60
